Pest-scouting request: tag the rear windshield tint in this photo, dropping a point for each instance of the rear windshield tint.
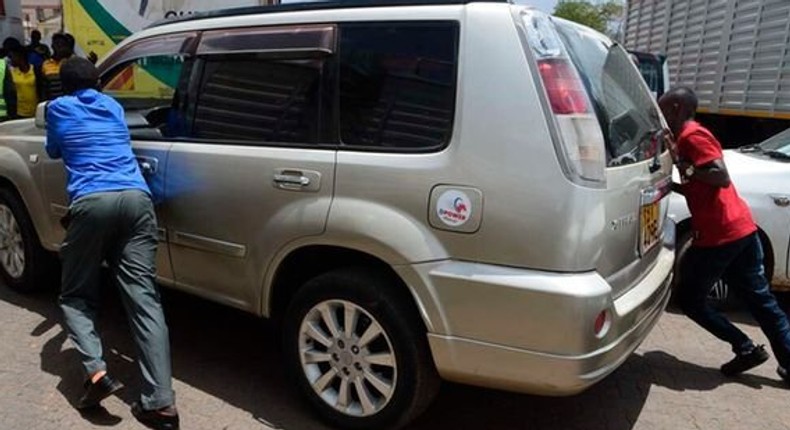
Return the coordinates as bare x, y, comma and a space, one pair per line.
624, 106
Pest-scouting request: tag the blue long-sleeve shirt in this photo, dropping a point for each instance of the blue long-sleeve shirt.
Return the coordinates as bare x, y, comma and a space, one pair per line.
87, 129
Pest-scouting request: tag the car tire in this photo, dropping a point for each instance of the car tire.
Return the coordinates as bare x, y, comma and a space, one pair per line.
25, 265
373, 369
721, 295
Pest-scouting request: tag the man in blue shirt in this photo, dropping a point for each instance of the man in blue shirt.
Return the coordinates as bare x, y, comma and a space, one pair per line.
110, 218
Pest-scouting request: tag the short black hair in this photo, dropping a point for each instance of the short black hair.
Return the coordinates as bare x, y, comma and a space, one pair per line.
78, 73
684, 96
64, 37
35, 33
70, 39
11, 43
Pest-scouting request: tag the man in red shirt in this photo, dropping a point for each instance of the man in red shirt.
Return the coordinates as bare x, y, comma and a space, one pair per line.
726, 244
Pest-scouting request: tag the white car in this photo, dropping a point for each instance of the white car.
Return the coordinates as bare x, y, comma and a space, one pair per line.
761, 174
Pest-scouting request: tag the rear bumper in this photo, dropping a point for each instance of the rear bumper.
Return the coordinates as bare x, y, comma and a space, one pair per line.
533, 332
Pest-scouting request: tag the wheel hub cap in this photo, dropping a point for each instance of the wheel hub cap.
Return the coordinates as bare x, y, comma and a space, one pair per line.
347, 358
12, 250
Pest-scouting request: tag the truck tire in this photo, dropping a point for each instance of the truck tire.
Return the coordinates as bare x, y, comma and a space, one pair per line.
25, 265
358, 351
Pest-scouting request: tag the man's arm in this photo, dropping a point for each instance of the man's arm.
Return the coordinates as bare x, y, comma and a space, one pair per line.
40, 82
9, 92
677, 188
713, 173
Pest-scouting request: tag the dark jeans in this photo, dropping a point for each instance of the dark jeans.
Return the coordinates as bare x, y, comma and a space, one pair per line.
740, 264
119, 228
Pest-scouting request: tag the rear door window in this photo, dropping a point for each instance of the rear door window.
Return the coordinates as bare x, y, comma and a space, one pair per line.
625, 108
397, 84
244, 98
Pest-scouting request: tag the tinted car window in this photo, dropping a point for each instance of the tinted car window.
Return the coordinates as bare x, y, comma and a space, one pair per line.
244, 98
397, 84
625, 108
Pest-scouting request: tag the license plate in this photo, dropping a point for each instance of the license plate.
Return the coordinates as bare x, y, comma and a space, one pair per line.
650, 226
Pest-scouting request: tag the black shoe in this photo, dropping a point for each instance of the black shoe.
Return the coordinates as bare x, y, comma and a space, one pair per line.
98, 391
783, 374
745, 361
161, 419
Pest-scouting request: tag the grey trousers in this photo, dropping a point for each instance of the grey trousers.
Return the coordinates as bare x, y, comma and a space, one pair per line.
119, 228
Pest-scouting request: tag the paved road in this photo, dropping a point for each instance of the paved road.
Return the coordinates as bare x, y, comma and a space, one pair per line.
229, 376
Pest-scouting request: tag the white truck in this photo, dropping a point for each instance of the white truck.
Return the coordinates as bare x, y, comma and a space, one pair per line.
734, 54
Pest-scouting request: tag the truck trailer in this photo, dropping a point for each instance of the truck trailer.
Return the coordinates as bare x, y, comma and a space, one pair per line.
735, 54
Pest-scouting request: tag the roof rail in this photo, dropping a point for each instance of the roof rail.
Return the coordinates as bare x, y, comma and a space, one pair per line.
311, 5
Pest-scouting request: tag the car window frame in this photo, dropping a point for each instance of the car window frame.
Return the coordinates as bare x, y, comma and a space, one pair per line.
146, 48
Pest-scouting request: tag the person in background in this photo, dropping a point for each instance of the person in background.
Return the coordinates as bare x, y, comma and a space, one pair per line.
726, 244
24, 94
62, 49
7, 85
39, 52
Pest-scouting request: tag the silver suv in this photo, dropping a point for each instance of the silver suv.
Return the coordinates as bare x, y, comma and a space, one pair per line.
465, 191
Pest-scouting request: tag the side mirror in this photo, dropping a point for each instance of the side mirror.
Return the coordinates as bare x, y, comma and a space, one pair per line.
41, 115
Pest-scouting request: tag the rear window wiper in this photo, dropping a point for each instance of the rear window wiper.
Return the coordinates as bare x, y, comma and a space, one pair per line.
777, 155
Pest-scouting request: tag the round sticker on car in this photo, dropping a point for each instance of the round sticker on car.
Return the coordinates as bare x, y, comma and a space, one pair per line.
454, 208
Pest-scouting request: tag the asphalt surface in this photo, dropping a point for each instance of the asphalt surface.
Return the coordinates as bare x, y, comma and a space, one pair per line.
229, 375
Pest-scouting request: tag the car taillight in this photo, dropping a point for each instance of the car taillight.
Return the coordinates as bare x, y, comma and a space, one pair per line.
564, 88
582, 144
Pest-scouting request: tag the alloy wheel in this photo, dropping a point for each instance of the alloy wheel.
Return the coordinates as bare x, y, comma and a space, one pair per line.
12, 247
347, 357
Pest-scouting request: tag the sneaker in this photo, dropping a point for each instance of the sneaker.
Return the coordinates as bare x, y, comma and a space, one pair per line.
783, 374
745, 361
160, 419
97, 391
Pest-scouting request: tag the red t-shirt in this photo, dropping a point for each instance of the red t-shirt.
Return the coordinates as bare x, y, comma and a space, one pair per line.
718, 215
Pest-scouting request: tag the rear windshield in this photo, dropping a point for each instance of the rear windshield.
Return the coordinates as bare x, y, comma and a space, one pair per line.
625, 108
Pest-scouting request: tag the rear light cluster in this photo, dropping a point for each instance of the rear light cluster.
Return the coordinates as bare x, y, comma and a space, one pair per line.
564, 89
582, 142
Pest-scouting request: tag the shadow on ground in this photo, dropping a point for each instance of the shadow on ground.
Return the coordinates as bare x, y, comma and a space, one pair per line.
234, 357
737, 311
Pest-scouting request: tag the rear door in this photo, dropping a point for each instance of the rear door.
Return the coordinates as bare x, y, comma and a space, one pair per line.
251, 173
637, 167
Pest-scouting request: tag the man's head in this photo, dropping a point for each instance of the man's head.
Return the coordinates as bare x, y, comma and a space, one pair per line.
77, 73
9, 44
678, 105
62, 46
19, 57
35, 37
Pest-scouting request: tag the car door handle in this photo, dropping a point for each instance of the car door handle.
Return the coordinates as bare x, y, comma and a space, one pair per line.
781, 201
148, 165
292, 180
297, 180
